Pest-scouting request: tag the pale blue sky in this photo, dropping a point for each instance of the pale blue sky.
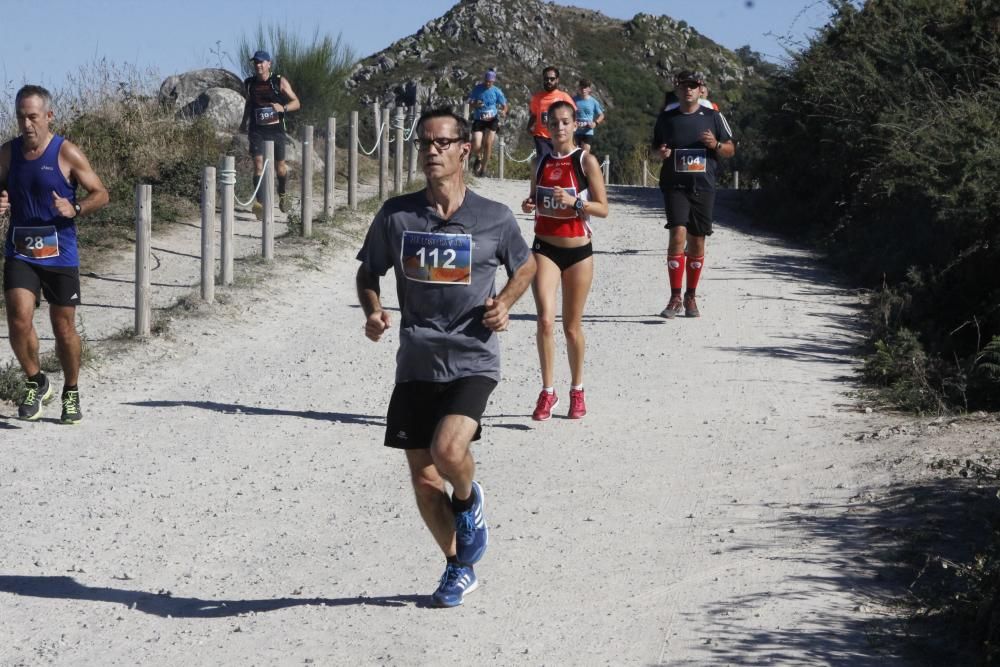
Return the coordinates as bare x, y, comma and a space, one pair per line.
41, 41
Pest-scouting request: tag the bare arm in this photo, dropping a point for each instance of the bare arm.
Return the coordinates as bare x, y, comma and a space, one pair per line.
245, 121
497, 315
75, 164
528, 205
376, 320
293, 100
598, 204
4, 165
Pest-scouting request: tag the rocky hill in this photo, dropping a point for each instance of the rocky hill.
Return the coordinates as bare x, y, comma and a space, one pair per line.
630, 62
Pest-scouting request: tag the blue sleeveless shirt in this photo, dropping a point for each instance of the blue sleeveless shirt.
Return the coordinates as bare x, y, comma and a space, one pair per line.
38, 233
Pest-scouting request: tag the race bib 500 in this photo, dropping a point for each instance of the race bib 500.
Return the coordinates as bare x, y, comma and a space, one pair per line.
545, 200
432, 257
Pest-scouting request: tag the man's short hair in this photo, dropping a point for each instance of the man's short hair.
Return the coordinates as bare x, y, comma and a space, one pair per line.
34, 91
445, 112
584, 83
550, 68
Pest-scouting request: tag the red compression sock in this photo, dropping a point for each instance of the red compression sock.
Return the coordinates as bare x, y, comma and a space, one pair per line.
694, 267
675, 270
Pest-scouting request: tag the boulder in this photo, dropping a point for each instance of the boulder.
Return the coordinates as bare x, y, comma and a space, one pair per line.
221, 106
179, 90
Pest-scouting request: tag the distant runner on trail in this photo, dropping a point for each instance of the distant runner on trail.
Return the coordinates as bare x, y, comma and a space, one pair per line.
567, 188
39, 175
589, 114
444, 244
269, 98
539, 107
689, 138
489, 106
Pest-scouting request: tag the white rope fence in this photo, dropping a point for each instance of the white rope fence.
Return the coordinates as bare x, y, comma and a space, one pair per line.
513, 159
652, 175
228, 177
377, 141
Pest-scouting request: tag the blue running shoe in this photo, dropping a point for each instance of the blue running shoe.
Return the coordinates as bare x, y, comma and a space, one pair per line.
456, 581
471, 532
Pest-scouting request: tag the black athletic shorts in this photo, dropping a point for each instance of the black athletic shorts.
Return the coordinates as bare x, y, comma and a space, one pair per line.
491, 125
580, 139
416, 408
59, 284
258, 135
563, 257
690, 209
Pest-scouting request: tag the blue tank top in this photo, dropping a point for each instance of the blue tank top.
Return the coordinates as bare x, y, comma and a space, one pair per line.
38, 233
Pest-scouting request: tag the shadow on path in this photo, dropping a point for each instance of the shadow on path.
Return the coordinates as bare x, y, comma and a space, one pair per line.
68, 588
233, 409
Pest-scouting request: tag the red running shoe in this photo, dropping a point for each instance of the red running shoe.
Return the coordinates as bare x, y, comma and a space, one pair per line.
546, 404
577, 406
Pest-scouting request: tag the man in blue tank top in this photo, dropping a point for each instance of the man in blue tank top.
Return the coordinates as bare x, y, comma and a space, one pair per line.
39, 174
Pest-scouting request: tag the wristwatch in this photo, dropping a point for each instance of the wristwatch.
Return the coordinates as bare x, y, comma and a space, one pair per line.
578, 205
77, 208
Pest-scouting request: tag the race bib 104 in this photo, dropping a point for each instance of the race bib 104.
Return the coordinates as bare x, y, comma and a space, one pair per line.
690, 160
432, 257
36, 242
266, 116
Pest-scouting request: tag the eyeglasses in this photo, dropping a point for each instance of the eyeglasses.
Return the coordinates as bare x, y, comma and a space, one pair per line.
688, 84
442, 143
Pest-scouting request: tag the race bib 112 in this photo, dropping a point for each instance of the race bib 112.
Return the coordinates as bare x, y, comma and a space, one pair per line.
433, 257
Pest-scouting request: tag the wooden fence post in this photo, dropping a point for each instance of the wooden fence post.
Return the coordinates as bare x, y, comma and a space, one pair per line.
307, 180
501, 156
352, 164
143, 242
330, 170
267, 230
397, 179
412, 172
383, 157
208, 234
228, 182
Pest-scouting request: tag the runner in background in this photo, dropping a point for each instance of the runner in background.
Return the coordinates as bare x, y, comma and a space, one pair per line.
489, 106
539, 107
589, 114
690, 139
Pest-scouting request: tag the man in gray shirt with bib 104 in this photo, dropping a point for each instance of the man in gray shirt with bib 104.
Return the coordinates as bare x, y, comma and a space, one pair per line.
444, 244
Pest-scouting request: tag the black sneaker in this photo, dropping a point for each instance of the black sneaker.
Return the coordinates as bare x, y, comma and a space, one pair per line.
30, 408
71, 407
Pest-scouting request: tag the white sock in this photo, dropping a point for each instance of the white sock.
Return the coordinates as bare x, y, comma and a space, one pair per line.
549, 390
576, 387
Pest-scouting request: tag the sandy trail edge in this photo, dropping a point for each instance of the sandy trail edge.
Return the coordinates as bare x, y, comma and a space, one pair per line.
236, 464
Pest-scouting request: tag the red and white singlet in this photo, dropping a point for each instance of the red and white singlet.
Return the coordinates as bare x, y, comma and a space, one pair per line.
551, 217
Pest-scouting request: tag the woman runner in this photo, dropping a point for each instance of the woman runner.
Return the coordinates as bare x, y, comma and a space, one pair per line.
567, 188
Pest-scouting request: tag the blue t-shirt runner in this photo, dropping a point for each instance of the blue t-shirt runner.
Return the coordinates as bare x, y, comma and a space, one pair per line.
491, 97
588, 109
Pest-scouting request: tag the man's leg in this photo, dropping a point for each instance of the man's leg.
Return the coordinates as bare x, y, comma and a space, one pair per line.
489, 139
281, 171
477, 153
20, 306
433, 501
68, 346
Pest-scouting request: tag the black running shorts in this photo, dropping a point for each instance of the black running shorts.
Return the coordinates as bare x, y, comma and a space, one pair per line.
563, 257
491, 125
258, 135
690, 209
416, 408
59, 284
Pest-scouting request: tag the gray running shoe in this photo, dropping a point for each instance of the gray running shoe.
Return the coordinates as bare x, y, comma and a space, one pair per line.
71, 413
30, 408
691, 306
673, 309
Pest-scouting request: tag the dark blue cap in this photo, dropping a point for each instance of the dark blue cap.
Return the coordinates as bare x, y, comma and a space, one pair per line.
261, 56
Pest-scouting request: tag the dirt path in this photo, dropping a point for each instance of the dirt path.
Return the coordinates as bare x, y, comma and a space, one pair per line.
227, 499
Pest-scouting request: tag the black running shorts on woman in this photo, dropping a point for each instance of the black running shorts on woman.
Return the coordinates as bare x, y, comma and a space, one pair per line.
562, 257
416, 408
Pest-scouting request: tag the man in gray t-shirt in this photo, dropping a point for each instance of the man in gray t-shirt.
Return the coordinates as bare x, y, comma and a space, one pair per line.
444, 244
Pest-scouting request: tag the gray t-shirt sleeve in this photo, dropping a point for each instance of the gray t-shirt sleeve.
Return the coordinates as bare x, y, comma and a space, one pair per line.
513, 249
376, 254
